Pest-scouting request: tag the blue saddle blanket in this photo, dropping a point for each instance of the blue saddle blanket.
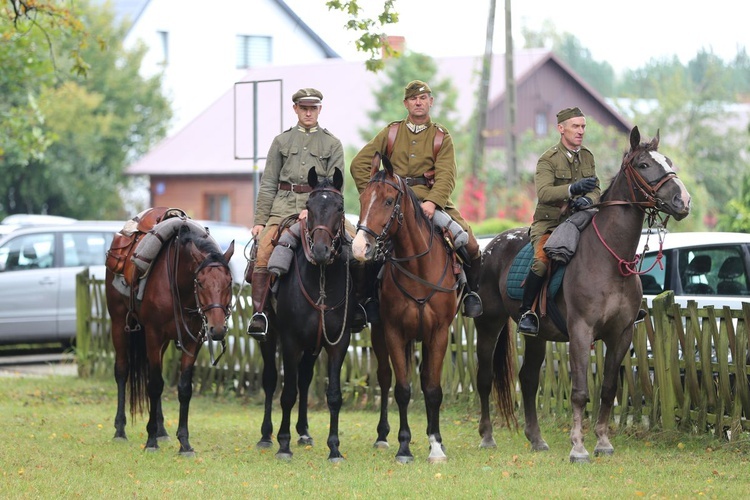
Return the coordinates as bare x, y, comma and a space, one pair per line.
519, 269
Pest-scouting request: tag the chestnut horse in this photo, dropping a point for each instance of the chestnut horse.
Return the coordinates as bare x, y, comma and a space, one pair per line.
600, 299
418, 299
187, 300
313, 309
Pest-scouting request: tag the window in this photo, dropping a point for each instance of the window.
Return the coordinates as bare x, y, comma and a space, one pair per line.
253, 51
34, 251
164, 39
540, 124
85, 249
219, 207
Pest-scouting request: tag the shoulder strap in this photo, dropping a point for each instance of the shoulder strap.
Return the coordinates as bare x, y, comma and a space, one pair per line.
392, 131
438, 143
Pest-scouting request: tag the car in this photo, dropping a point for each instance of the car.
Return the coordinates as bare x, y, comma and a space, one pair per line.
38, 268
710, 268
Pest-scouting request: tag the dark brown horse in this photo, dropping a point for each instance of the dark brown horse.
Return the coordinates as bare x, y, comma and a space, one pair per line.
313, 310
600, 299
186, 300
418, 299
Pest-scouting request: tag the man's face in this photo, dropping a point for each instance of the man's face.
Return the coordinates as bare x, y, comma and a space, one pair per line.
307, 115
572, 131
418, 106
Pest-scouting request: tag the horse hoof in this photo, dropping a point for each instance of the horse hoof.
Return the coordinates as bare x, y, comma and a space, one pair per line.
404, 459
579, 459
604, 452
381, 445
151, 449
437, 460
264, 444
542, 446
305, 441
284, 456
187, 453
488, 443
336, 460
120, 439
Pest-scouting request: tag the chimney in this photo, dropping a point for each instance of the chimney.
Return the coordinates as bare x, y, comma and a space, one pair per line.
397, 44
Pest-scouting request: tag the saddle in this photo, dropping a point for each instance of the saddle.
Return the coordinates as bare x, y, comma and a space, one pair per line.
121, 256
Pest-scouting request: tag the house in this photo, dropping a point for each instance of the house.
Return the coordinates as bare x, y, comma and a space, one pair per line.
211, 167
201, 48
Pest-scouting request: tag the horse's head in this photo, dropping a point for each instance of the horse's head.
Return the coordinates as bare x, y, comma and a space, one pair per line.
212, 285
652, 179
325, 217
379, 206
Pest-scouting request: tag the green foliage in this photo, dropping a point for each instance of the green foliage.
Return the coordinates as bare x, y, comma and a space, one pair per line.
736, 214
494, 225
78, 132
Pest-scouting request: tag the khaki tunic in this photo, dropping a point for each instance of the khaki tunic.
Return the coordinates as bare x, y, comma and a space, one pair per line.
556, 170
413, 156
292, 154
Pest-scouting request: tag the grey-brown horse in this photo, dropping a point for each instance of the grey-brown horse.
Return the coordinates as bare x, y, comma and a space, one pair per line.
600, 298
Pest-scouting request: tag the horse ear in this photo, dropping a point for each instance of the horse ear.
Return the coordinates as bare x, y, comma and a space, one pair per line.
635, 138
388, 166
375, 164
338, 179
230, 251
312, 177
656, 139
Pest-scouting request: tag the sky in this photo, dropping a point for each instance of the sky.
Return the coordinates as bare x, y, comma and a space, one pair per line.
626, 34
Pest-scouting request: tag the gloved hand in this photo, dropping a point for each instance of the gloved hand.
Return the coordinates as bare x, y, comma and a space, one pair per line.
581, 203
585, 185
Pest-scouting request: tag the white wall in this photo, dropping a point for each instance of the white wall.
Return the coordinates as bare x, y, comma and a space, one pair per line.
202, 47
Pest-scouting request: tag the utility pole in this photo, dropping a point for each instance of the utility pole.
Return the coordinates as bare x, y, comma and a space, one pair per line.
477, 156
510, 102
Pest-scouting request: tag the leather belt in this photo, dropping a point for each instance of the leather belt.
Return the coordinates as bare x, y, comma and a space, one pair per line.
296, 188
413, 181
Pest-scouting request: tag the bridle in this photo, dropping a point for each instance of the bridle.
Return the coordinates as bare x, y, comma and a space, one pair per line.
308, 233
397, 214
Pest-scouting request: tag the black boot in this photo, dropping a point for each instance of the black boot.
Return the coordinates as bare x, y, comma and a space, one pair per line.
258, 327
359, 282
472, 301
528, 324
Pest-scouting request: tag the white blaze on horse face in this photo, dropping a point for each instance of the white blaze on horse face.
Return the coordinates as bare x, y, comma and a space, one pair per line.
661, 160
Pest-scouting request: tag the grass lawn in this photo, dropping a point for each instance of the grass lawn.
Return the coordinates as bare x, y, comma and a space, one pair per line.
56, 441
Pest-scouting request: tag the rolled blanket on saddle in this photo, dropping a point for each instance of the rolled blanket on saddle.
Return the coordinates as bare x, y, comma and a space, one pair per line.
563, 242
281, 257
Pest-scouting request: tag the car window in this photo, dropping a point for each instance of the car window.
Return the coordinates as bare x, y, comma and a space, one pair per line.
702, 270
655, 277
85, 249
32, 251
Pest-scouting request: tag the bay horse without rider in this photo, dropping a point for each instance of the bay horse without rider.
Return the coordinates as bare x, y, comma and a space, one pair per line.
186, 300
313, 309
418, 299
600, 299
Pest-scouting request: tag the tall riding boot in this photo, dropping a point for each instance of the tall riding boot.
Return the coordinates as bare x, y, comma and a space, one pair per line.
359, 282
472, 301
529, 322
258, 327
372, 302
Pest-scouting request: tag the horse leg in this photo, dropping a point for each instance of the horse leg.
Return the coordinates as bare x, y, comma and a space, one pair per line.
161, 431
402, 393
269, 381
534, 351
486, 339
184, 394
433, 396
288, 399
121, 378
384, 381
305, 374
612, 361
579, 394
334, 399
155, 388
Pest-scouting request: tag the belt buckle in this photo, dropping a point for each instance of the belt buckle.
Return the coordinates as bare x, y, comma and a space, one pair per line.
408, 180
293, 187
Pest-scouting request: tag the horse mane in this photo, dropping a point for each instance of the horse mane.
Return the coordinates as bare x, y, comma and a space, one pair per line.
199, 237
422, 219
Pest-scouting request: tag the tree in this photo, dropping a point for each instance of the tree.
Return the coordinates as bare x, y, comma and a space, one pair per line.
370, 40
84, 128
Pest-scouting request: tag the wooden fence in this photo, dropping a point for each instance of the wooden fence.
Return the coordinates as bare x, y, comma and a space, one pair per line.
680, 374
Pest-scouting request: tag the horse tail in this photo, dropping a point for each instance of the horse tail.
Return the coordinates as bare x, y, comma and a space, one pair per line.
503, 367
138, 372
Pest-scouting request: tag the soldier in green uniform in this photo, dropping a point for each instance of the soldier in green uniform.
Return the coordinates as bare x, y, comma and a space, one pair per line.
565, 181
284, 190
428, 166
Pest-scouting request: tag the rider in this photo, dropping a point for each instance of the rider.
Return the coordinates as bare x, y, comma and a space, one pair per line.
284, 190
565, 179
429, 167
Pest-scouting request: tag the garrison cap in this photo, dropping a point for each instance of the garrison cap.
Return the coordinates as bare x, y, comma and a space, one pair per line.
308, 97
568, 113
416, 87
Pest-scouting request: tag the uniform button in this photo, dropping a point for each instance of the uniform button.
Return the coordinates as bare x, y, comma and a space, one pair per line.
303, 162
413, 142
412, 155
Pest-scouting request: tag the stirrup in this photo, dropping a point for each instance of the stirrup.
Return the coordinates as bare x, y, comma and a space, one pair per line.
359, 319
260, 336
641, 316
530, 330
472, 310
372, 310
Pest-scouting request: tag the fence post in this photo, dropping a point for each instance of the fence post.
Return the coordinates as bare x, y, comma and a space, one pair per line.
662, 361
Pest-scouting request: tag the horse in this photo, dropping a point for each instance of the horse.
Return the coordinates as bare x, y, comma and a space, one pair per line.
418, 299
313, 308
187, 299
600, 299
